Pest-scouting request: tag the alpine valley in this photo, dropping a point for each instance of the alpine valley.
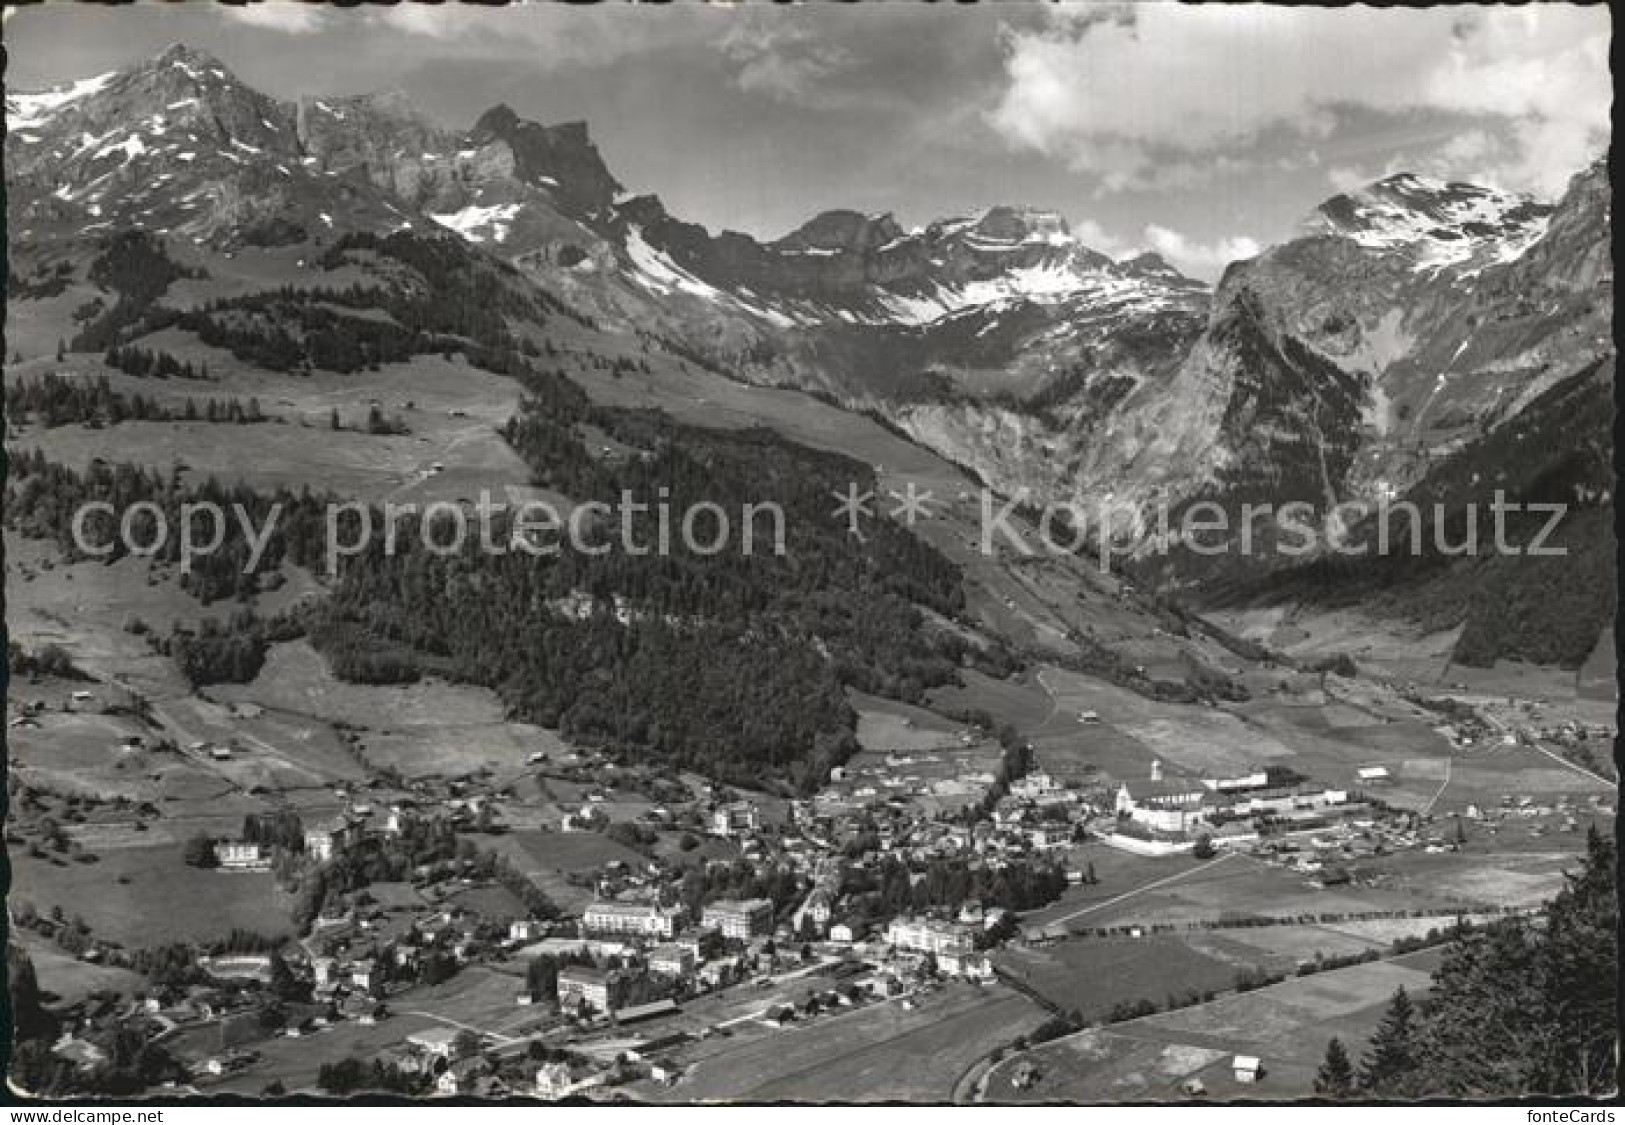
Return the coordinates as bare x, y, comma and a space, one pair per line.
216, 295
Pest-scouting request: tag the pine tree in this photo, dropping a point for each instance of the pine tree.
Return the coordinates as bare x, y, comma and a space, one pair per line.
1524, 1008
283, 984
1390, 1056
1335, 1078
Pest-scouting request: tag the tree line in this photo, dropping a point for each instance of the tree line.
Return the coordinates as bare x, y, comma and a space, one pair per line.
57, 400
1525, 1006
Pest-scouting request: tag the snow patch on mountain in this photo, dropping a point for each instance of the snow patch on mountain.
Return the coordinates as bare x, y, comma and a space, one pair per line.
480, 224
30, 111
1439, 225
1046, 283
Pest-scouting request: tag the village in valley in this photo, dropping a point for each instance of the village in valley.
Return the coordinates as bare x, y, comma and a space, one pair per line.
480, 627
945, 883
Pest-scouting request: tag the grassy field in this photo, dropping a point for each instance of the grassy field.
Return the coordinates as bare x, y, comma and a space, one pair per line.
296, 678
451, 410
70, 979
1286, 1025
1478, 875
885, 725
146, 896
548, 857
1018, 701
878, 1053
1090, 975
422, 729
1235, 887
478, 998
84, 606
1598, 678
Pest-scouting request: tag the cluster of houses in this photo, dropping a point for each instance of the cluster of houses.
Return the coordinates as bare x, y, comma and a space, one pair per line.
950, 775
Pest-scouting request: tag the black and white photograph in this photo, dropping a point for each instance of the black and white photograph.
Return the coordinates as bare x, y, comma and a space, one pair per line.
735, 554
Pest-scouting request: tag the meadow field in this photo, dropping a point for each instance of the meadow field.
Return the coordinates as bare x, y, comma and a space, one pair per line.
880, 1052
1286, 1025
146, 896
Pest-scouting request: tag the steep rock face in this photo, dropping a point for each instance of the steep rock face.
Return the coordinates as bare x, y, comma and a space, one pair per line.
561, 157
382, 139
1406, 323
1405, 320
176, 145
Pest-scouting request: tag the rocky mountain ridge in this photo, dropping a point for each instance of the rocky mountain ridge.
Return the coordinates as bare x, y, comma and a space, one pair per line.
1402, 323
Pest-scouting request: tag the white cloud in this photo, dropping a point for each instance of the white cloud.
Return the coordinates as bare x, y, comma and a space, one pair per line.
783, 59
1202, 259
1491, 157
548, 34
1096, 237
1125, 92
292, 17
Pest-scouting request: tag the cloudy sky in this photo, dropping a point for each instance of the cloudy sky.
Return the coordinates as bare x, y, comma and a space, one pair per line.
1200, 131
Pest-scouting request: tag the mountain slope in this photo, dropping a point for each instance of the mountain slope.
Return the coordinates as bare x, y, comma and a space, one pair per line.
1405, 323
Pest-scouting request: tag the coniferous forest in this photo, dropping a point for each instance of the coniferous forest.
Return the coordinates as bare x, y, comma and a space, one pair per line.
731, 663
1523, 1007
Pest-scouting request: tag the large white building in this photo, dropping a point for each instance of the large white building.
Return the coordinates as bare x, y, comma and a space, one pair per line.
740, 919
1255, 779
1164, 805
645, 919
235, 855
1035, 786
598, 990
928, 935
735, 819
671, 960
1288, 799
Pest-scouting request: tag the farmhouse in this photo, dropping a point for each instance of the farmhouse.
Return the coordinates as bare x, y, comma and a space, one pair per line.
364, 975
1370, 774
524, 930
815, 908
586, 820
557, 1080
848, 932
328, 838
435, 1042
1247, 1068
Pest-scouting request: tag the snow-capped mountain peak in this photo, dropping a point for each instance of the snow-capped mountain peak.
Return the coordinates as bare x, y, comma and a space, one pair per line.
1438, 224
